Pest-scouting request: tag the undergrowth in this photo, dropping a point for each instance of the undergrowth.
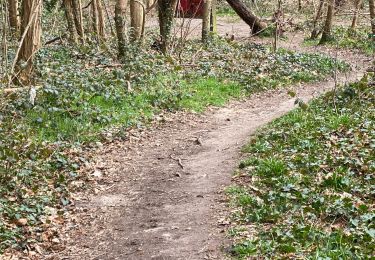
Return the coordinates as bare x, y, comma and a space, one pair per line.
306, 187
343, 37
86, 97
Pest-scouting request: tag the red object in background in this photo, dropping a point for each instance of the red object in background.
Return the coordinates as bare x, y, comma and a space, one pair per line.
190, 8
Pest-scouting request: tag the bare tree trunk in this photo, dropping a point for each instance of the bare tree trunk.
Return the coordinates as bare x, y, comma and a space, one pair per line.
357, 6
315, 31
166, 10
68, 6
94, 17
213, 19
30, 41
13, 19
372, 16
247, 16
149, 3
206, 20
327, 30
4, 41
78, 19
101, 19
120, 12
137, 15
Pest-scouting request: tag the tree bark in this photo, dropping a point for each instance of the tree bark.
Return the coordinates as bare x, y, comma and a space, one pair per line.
120, 16
30, 42
69, 14
78, 19
94, 17
101, 19
166, 10
315, 31
357, 5
13, 18
213, 19
327, 30
372, 16
98, 19
137, 12
206, 20
247, 16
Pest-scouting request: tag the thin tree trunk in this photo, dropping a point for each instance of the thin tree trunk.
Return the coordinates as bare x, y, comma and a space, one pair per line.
166, 10
68, 6
137, 12
4, 46
247, 16
120, 13
213, 19
315, 31
95, 18
206, 20
108, 18
372, 16
30, 42
101, 19
327, 30
357, 5
13, 18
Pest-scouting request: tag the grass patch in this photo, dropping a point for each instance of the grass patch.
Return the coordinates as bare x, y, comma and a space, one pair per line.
87, 101
306, 189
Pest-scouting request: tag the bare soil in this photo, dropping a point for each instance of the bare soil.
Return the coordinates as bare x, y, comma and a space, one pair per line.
159, 194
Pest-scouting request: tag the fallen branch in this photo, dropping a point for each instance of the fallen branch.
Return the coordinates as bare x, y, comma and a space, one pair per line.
179, 161
12, 90
55, 39
109, 65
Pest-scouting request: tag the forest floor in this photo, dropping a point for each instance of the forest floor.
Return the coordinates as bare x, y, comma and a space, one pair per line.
159, 194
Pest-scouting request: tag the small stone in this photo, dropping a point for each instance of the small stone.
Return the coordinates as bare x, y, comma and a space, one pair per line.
55, 240
21, 222
97, 173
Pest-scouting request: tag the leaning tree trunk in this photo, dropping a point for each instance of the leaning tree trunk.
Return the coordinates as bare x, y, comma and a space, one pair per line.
315, 31
30, 40
247, 16
327, 30
137, 15
69, 13
13, 19
372, 16
166, 9
357, 5
120, 16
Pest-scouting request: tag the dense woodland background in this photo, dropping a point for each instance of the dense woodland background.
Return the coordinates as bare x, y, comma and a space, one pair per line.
76, 74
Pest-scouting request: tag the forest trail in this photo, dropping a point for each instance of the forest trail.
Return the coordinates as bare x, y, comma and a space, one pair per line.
159, 194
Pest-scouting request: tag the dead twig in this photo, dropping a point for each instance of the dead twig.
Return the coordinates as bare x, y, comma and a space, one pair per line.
178, 160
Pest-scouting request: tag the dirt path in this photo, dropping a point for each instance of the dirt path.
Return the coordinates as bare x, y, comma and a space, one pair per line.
159, 195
